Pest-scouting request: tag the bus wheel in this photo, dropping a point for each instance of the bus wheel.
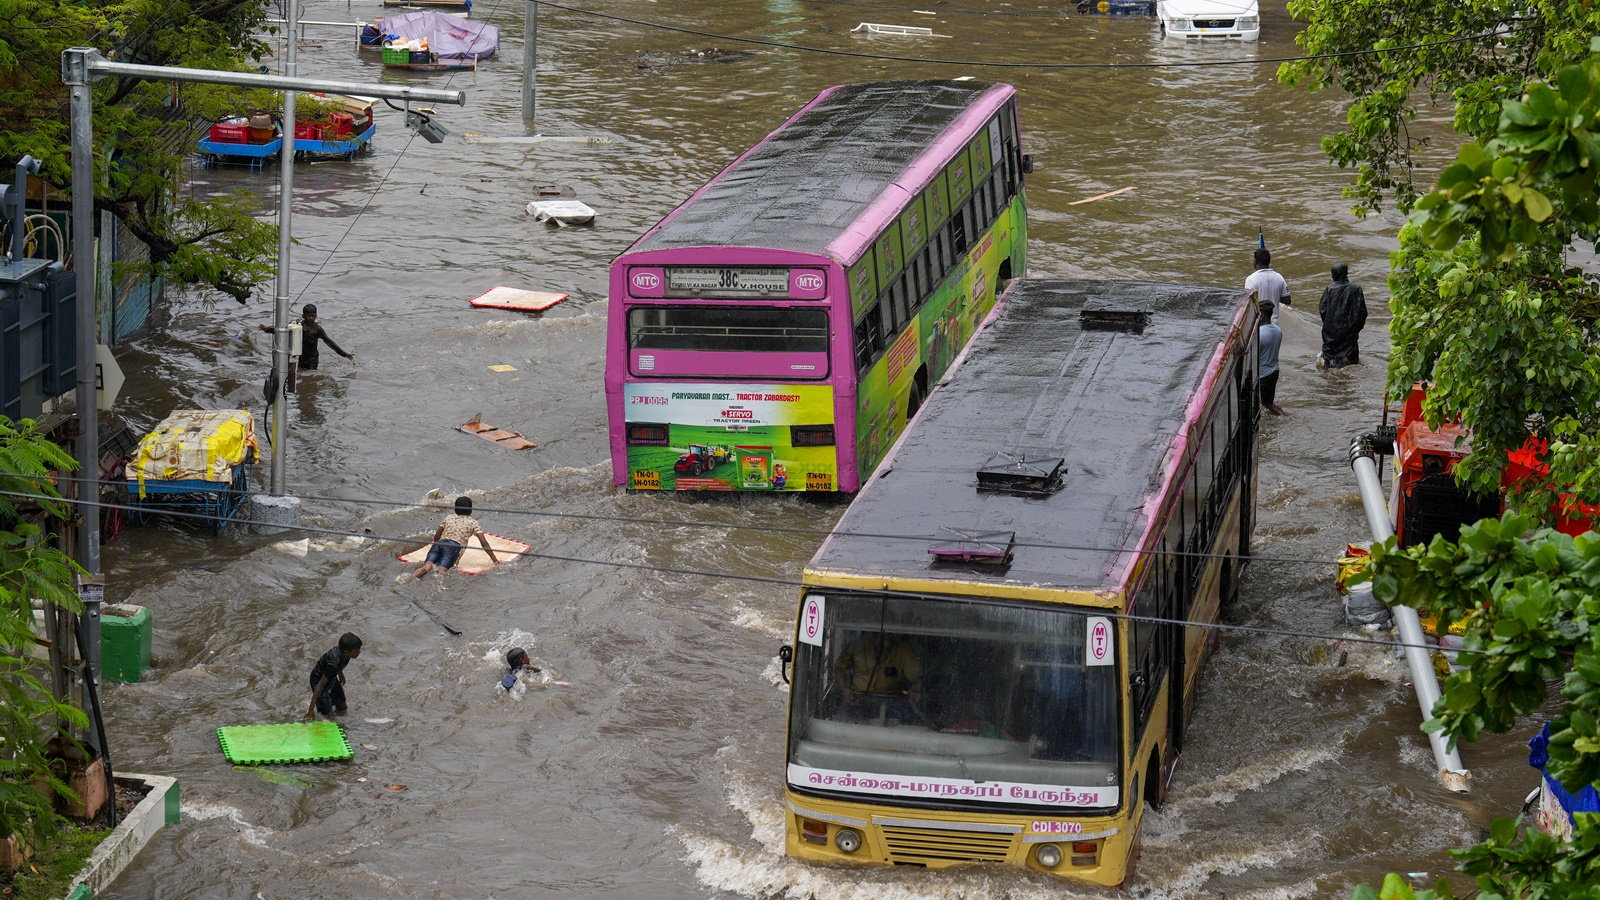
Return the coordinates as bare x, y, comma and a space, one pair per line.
1154, 793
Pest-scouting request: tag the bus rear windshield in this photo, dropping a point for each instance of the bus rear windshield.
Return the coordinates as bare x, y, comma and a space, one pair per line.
740, 329
948, 692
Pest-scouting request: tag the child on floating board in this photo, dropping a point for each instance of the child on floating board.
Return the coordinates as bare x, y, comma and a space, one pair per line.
453, 534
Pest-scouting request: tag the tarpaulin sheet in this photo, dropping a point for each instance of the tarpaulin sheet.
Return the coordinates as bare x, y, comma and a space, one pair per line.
195, 445
449, 37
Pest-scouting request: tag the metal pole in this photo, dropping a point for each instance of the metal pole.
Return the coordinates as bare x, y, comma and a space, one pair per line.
99, 67
1407, 623
280, 342
84, 258
530, 59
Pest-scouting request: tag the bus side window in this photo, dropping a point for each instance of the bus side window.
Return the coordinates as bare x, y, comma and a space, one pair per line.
925, 265
917, 277
958, 229
897, 294
886, 328
946, 260
864, 342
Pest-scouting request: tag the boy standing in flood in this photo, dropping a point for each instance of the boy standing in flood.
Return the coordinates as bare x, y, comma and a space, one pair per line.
453, 534
310, 334
327, 677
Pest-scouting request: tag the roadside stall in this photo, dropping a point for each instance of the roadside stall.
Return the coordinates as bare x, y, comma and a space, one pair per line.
197, 463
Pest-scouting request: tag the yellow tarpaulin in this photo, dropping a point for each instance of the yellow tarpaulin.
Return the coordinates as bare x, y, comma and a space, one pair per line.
196, 445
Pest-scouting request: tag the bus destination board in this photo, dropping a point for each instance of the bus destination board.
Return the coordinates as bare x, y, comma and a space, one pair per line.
726, 281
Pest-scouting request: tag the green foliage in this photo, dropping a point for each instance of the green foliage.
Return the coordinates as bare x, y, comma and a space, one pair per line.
1531, 606
1473, 54
143, 130
31, 568
55, 865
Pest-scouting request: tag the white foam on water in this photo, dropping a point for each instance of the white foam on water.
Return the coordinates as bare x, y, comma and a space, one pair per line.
202, 811
762, 623
1190, 881
1258, 773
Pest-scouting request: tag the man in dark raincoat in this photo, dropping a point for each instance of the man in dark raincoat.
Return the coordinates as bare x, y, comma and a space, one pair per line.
1344, 311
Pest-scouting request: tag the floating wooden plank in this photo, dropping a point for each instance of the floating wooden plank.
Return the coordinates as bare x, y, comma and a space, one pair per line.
1102, 196
512, 439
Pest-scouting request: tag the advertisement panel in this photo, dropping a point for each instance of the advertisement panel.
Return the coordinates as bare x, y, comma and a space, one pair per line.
941, 328
724, 437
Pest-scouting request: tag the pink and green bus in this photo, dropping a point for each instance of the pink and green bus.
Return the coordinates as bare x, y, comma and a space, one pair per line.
777, 329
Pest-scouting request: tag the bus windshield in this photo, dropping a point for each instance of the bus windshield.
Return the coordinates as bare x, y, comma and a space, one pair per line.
954, 700
742, 329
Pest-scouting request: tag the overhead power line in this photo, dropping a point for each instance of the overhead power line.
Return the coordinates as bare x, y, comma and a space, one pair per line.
766, 529
725, 576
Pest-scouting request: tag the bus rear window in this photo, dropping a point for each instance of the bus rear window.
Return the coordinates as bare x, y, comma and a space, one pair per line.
739, 329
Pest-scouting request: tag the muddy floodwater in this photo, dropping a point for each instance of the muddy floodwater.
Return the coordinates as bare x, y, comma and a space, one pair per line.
654, 768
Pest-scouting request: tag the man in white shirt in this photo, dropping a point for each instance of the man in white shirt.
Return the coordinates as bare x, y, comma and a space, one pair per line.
1265, 284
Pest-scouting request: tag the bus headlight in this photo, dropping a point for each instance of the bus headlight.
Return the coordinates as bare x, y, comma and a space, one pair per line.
1048, 855
848, 840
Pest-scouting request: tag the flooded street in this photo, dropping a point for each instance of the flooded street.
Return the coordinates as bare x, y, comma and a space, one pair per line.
655, 769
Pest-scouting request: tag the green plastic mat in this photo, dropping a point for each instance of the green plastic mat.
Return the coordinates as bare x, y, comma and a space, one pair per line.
294, 742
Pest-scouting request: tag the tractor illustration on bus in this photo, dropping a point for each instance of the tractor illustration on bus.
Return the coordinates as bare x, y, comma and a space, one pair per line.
701, 458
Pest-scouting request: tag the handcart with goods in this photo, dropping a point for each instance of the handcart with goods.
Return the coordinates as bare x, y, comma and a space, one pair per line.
250, 140
195, 463
344, 131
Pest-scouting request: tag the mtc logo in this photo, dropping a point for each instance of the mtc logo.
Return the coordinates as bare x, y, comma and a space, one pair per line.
646, 281
808, 281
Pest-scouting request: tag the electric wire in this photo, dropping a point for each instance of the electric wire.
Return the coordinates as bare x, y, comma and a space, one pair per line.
762, 529
375, 191
1022, 65
727, 576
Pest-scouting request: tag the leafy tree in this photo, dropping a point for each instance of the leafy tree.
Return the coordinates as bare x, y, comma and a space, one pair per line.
31, 568
1489, 313
145, 128
1471, 53
1486, 309
1531, 606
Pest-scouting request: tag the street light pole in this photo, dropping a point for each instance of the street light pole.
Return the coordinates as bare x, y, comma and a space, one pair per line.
530, 60
280, 336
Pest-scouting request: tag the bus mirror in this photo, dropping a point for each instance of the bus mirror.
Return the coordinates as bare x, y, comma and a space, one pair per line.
1027, 163
785, 656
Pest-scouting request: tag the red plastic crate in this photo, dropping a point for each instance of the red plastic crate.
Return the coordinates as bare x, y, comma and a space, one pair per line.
307, 131
341, 124
227, 133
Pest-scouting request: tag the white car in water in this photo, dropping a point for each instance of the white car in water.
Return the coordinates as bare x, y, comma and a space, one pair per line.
1238, 20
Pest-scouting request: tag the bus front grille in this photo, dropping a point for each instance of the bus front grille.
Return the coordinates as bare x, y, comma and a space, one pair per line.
920, 846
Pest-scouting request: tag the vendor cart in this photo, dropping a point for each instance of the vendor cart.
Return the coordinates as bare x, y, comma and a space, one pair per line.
196, 463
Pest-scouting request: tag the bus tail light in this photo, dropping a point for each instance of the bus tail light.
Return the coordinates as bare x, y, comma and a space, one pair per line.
815, 832
652, 435
848, 840
811, 435
1085, 853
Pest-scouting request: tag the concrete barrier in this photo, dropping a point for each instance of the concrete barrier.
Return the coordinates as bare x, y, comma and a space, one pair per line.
158, 808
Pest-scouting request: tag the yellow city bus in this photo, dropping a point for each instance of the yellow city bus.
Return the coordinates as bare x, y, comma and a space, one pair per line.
998, 648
